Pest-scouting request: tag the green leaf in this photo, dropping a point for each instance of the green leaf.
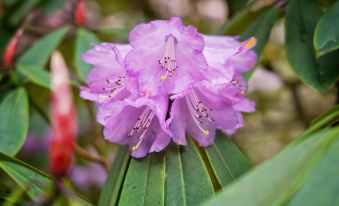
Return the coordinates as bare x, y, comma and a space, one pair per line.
84, 40
35, 182
275, 181
319, 73
322, 186
177, 176
187, 179
261, 28
15, 197
227, 161
117, 32
23, 9
239, 23
326, 37
145, 181
324, 120
14, 124
236, 5
110, 192
36, 74
39, 53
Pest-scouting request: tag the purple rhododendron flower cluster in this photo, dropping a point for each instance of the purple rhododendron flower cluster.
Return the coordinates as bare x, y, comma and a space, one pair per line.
168, 81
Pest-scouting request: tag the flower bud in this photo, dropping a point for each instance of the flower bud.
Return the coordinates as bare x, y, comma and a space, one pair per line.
63, 118
8, 57
80, 13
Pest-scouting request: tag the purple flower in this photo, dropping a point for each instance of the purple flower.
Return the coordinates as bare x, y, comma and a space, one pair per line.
107, 80
140, 123
169, 81
166, 57
218, 102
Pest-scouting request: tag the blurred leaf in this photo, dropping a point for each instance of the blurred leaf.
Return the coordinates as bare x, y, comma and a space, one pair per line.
14, 197
261, 28
326, 37
117, 32
22, 11
8, 3
36, 74
319, 73
110, 192
275, 181
322, 186
236, 5
39, 53
14, 124
238, 23
84, 40
328, 118
35, 182
227, 161
49, 6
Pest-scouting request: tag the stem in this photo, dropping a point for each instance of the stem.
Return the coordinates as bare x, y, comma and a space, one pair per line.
98, 141
297, 104
91, 157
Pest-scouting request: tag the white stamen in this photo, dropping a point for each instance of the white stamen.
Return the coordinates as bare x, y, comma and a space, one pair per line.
141, 126
168, 62
198, 111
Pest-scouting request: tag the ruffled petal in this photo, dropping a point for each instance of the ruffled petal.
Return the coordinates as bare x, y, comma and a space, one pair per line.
161, 141
118, 127
177, 122
104, 55
166, 57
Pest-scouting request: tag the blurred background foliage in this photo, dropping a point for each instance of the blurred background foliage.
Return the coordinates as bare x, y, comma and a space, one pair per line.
293, 82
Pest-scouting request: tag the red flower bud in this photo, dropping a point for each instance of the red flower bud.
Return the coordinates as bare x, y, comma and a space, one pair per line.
80, 13
10, 50
63, 118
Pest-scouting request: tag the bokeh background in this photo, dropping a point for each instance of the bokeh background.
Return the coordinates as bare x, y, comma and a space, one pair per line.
285, 106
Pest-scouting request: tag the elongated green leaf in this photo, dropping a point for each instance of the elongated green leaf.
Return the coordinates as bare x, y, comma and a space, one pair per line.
84, 40
145, 181
187, 182
324, 120
236, 5
319, 73
238, 23
39, 53
261, 28
109, 194
36, 75
14, 197
227, 161
275, 181
326, 37
22, 10
117, 32
322, 186
14, 121
35, 182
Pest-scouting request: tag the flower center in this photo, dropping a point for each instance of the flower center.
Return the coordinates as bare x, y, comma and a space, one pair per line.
112, 87
199, 112
168, 62
141, 126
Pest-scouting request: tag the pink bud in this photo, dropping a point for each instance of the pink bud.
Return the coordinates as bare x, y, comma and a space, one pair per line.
80, 13
63, 118
8, 57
